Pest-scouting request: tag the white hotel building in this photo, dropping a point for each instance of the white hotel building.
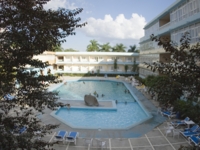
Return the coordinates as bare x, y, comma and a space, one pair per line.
84, 62
182, 16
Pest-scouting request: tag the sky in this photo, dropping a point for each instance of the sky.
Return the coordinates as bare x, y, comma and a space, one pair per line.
110, 21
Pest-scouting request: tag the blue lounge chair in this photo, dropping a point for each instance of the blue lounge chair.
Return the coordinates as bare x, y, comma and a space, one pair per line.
169, 114
19, 131
22, 130
195, 140
180, 122
60, 136
9, 97
72, 137
195, 130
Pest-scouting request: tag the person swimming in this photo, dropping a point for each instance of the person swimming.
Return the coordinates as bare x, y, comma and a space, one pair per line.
68, 106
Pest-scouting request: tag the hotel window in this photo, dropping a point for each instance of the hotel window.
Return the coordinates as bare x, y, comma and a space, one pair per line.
60, 59
84, 58
129, 59
100, 67
61, 68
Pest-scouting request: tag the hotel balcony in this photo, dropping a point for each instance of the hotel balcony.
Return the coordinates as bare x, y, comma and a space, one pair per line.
165, 25
62, 62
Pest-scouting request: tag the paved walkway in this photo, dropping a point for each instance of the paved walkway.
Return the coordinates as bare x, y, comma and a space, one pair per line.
151, 139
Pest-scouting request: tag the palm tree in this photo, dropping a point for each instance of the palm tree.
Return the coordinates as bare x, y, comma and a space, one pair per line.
93, 46
105, 47
135, 67
119, 48
115, 64
58, 48
132, 48
70, 50
126, 68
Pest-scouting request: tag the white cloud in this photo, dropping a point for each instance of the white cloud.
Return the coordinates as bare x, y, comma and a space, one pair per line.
55, 4
120, 28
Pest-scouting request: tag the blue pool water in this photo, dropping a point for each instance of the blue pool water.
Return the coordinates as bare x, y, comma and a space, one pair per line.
125, 115
76, 90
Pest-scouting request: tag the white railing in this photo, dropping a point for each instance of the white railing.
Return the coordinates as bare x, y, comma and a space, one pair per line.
165, 26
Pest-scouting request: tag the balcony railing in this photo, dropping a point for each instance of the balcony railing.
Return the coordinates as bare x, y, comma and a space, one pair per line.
165, 26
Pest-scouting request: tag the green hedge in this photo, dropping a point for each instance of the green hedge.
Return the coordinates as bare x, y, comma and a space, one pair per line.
188, 109
141, 80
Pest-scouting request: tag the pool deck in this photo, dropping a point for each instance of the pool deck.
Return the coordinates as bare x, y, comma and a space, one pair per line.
149, 135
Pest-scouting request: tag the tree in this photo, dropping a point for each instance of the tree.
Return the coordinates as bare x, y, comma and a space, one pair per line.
58, 48
70, 50
119, 48
115, 64
135, 67
168, 90
105, 47
183, 69
28, 30
93, 46
126, 68
132, 48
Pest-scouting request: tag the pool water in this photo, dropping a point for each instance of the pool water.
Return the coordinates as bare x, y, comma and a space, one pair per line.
128, 113
125, 116
76, 90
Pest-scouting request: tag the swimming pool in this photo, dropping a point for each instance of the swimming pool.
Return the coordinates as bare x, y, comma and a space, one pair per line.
128, 113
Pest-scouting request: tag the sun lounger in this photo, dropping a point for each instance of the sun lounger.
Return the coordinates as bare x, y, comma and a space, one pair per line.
195, 130
19, 131
169, 114
180, 122
60, 136
9, 97
72, 137
187, 134
195, 140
